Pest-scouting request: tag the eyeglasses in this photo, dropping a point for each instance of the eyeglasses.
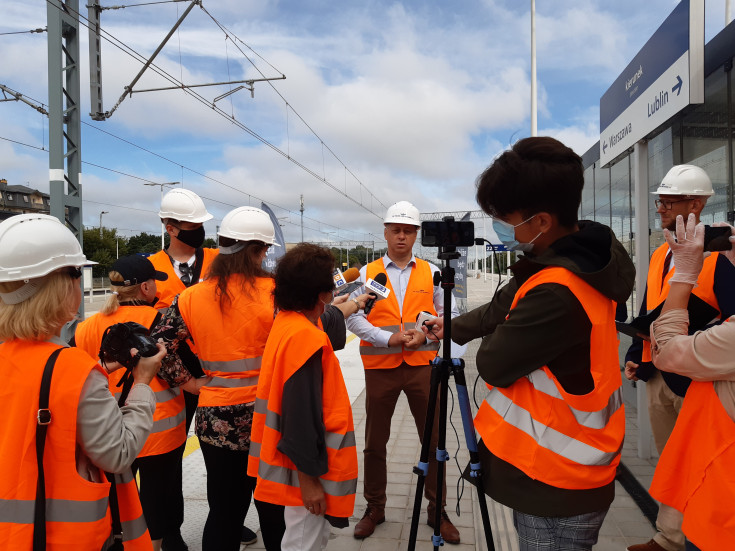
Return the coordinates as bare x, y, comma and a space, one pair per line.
186, 273
74, 272
668, 205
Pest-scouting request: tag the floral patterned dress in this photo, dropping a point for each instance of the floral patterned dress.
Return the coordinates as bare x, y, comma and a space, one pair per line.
221, 426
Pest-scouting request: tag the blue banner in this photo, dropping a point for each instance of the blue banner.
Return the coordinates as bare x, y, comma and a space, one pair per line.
274, 253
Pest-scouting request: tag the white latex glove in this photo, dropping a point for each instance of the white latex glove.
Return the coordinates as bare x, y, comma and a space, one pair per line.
687, 250
730, 255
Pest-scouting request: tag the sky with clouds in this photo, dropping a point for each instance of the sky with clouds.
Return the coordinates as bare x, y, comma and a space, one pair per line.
383, 101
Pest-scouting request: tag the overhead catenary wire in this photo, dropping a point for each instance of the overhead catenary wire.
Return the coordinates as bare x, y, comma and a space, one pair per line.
231, 119
145, 180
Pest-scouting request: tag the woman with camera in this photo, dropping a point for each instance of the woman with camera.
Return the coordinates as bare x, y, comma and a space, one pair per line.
694, 473
302, 428
62, 428
133, 285
228, 316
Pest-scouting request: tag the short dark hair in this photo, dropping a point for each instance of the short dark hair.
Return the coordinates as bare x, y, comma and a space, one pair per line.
301, 275
538, 174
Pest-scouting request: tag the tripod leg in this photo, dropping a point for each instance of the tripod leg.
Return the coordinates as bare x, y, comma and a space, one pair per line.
441, 452
422, 469
471, 441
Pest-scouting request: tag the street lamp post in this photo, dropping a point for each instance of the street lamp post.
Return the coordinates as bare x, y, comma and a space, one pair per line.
101, 213
163, 226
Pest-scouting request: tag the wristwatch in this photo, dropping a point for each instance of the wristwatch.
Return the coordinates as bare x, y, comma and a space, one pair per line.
357, 303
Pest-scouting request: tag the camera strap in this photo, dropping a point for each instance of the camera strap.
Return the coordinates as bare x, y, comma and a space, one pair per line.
44, 419
117, 531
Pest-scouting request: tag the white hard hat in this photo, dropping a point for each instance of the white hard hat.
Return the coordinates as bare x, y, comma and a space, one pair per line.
184, 205
248, 224
34, 245
402, 212
686, 180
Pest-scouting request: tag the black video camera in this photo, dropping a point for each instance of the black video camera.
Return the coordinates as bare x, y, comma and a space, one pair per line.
118, 339
447, 233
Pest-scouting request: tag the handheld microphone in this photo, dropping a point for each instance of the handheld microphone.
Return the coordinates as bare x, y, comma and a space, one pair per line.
343, 281
376, 287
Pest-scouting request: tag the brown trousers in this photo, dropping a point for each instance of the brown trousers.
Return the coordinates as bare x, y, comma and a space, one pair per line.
383, 386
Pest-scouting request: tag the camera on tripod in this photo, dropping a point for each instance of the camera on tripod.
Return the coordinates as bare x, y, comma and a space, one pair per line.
447, 233
118, 339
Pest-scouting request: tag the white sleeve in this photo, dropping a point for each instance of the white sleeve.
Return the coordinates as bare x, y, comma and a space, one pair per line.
358, 323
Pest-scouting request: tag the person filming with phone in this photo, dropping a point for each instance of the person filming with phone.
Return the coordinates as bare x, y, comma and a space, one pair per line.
683, 191
694, 473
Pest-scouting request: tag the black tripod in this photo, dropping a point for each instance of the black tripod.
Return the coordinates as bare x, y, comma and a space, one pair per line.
440, 370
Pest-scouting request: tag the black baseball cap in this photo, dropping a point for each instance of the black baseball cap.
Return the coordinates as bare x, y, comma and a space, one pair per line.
135, 269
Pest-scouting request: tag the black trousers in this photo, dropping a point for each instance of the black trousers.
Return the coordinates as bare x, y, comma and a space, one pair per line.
160, 491
190, 401
272, 524
229, 490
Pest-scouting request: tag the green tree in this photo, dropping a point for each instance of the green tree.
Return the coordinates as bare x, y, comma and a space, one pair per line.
146, 243
103, 250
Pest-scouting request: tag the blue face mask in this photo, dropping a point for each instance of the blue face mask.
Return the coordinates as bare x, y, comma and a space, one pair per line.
507, 235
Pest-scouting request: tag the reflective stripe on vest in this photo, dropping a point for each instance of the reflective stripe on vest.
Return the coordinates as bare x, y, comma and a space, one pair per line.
169, 430
656, 293
290, 477
546, 436
292, 341
419, 297
590, 419
20, 511
333, 440
694, 472
230, 339
135, 534
567, 441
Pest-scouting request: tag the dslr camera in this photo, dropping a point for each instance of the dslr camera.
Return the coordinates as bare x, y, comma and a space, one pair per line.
118, 339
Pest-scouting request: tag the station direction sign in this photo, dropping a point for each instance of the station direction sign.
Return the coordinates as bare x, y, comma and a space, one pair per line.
664, 77
498, 247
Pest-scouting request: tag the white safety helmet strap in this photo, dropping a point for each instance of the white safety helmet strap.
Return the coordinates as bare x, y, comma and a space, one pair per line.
232, 249
29, 288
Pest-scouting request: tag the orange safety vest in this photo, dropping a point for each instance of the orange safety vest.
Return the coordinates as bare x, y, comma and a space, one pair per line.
77, 510
167, 290
387, 315
695, 472
169, 419
293, 340
564, 440
656, 293
229, 344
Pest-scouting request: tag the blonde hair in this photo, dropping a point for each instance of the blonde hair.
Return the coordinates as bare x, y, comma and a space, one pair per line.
42, 315
120, 293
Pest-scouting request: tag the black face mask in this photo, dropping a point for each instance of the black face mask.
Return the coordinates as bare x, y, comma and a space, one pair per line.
193, 238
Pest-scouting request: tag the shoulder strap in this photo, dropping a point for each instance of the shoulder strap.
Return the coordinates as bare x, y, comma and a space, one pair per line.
44, 418
197, 272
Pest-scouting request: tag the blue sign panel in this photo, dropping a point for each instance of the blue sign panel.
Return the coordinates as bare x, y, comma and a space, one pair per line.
667, 45
498, 247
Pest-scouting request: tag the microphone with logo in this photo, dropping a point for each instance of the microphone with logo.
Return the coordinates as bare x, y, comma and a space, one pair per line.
344, 282
376, 288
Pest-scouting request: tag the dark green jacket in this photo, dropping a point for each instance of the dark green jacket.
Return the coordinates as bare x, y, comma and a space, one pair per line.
549, 327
